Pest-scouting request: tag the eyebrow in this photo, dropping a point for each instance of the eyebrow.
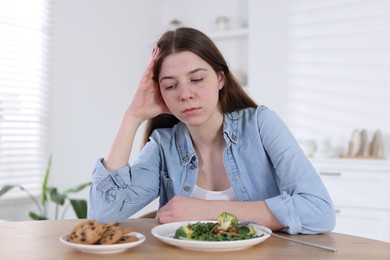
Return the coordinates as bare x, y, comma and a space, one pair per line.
189, 73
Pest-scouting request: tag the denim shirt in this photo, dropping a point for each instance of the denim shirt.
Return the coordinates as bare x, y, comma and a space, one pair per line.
262, 159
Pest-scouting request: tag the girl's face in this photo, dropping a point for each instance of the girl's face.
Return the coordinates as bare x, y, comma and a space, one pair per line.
190, 87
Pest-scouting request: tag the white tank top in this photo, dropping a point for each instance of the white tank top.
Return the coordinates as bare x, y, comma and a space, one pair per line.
213, 195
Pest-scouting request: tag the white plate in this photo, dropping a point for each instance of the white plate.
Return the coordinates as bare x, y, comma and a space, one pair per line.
105, 249
166, 232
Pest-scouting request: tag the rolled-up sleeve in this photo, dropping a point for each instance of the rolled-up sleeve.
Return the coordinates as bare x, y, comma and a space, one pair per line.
303, 213
108, 193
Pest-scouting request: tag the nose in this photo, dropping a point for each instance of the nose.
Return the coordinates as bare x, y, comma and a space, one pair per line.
186, 93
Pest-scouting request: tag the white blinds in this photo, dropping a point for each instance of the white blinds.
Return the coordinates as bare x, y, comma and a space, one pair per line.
339, 66
24, 92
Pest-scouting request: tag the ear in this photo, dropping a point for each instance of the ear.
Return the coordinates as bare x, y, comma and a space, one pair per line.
221, 80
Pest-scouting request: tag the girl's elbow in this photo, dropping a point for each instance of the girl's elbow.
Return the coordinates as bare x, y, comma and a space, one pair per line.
330, 221
326, 222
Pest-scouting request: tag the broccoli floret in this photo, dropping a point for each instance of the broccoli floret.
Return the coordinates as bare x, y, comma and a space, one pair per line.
227, 220
184, 232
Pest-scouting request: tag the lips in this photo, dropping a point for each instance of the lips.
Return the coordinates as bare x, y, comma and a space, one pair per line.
190, 110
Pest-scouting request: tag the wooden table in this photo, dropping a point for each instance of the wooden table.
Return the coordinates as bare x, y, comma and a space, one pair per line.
40, 240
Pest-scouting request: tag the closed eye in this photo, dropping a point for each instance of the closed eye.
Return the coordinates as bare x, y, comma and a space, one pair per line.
169, 87
196, 80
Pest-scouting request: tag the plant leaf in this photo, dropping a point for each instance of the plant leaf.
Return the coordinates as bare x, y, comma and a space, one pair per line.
6, 188
80, 207
78, 188
35, 216
44, 184
55, 196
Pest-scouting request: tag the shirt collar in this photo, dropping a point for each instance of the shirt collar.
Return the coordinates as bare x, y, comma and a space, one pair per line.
230, 126
184, 144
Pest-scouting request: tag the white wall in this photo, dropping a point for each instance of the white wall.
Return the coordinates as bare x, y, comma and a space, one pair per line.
268, 58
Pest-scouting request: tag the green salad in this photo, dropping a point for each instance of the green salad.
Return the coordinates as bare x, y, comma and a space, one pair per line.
226, 229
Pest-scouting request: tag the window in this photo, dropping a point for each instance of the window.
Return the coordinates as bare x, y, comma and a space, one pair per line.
24, 92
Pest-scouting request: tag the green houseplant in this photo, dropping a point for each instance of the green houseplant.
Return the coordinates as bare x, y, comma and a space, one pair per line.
51, 194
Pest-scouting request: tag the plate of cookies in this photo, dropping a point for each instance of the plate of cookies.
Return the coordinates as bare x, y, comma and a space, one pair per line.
91, 236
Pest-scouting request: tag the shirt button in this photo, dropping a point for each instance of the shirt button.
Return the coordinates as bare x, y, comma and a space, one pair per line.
184, 158
187, 188
234, 137
192, 167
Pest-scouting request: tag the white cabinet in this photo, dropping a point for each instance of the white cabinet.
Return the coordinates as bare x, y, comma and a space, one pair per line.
373, 224
361, 195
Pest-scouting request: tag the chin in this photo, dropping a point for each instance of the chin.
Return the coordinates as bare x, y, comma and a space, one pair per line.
193, 123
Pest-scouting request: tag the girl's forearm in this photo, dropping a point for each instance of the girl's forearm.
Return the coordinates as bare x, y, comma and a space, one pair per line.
119, 153
256, 211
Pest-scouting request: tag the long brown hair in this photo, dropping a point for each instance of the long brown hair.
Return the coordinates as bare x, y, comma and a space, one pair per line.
232, 96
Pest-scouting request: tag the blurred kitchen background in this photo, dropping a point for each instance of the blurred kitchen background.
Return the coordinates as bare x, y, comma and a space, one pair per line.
68, 69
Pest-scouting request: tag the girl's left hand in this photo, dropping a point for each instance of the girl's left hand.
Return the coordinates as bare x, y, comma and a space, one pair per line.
183, 208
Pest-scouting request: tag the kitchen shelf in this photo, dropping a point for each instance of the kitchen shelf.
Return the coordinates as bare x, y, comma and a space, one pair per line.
244, 32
